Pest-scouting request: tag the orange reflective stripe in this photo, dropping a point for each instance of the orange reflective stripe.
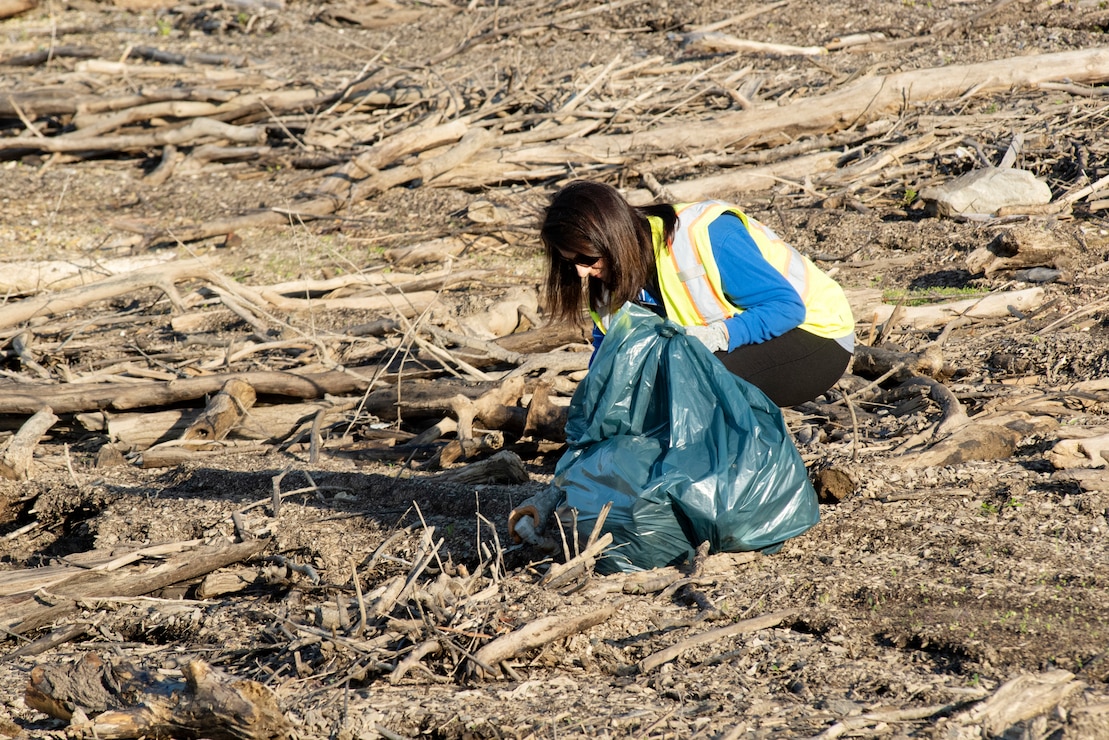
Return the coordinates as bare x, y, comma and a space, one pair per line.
706, 217
679, 264
787, 260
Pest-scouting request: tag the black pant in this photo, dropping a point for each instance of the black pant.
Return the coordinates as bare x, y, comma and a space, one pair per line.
792, 368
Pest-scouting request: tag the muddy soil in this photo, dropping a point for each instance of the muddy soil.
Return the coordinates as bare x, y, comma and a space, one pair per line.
923, 588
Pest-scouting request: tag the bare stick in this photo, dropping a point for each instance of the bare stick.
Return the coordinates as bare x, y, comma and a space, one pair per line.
739, 628
362, 621
954, 415
561, 574
51, 304
276, 498
428, 647
538, 633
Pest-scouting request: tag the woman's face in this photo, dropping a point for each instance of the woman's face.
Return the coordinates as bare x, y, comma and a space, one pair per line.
587, 266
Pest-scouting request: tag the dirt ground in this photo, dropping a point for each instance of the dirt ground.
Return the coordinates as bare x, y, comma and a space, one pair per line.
921, 592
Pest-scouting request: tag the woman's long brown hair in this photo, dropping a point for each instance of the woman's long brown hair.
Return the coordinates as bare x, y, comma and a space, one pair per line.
593, 219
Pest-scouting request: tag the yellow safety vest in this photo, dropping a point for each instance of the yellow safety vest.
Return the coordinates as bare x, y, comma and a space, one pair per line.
693, 293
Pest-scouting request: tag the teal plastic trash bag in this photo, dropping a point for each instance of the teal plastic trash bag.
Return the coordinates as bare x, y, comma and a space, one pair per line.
685, 451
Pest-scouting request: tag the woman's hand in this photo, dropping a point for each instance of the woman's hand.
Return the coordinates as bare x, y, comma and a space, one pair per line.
714, 336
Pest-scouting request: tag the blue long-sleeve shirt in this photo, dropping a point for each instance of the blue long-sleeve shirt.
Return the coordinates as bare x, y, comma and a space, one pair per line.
771, 306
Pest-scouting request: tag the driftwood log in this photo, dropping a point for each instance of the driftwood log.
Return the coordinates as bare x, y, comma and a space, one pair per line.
120, 397
141, 429
224, 411
1021, 698
208, 703
29, 278
22, 612
864, 101
900, 364
11, 8
18, 457
162, 276
990, 438
505, 467
467, 153
996, 305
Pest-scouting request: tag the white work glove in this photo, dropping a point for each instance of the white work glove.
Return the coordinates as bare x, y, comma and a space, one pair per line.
714, 336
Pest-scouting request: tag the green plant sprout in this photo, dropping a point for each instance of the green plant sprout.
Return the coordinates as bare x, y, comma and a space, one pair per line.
925, 296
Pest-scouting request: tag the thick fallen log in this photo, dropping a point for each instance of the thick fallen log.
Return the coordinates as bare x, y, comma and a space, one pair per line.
97, 125
33, 579
995, 305
226, 581
428, 398
1080, 448
171, 454
208, 703
59, 692
139, 430
857, 104
26, 612
1022, 698
545, 420
197, 130
505, 467
993, 438
546, 338
466, 449
29, 580
62, 101
15, 463
224, 411
31, 277
1025, 246
900, 365
162, 276
495, 409
75, 397
12, 8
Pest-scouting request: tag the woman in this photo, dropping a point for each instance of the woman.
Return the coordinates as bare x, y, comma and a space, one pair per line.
770, 315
